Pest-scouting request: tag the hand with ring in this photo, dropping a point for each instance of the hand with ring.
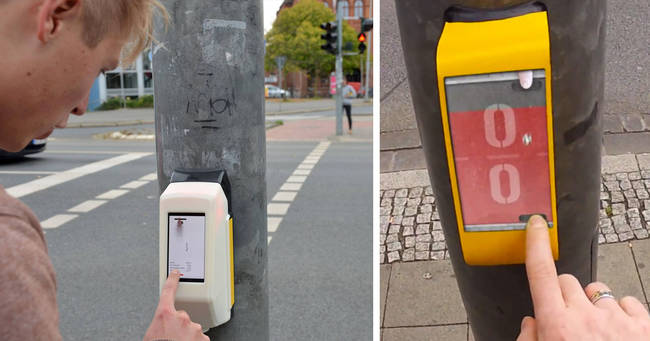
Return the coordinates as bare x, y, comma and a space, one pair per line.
564, 311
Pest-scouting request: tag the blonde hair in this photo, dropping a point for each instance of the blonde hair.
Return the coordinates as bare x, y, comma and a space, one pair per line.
132, 18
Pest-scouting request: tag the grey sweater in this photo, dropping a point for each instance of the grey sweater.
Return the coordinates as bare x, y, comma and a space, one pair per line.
28, 308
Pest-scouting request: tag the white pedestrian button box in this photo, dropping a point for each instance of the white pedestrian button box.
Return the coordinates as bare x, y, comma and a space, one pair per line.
196, 239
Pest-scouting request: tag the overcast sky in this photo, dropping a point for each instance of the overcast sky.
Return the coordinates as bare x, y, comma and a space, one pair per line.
270, 8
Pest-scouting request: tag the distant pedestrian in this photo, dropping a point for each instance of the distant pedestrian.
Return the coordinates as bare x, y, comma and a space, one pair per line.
348, 92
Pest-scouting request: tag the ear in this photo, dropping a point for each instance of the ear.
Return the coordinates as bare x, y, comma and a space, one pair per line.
52, 13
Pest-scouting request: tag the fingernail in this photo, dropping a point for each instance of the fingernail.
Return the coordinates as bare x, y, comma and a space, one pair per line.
535, 220
175, 272
524, 322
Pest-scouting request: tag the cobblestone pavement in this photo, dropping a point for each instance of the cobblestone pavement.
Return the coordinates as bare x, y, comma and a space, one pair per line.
410, 228
626, 123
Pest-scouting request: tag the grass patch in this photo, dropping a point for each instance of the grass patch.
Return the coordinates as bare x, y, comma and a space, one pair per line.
114, 103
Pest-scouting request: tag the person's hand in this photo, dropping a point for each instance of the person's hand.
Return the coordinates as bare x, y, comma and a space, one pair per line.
564, 311
169, 324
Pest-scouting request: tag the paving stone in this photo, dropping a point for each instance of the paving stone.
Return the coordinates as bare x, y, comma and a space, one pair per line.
428, 190
437, 246
633, 213
602, 214
408, 255
611, 237
612, 186
646, 214
393, 256
622, 229
642, 255
394, 228
428, 200
382, 248
426, 208
422, 247
437, 255
602, 187
382, 258
619, 220
422, 229
409, 242
398, 210
410, 295
638, 184
616, 268
389, 193
436, 225
606, 226
635, 223
396, 219
644, 161
423, 218
607, 229
646, 204
601, 239
641, 234
604, 203
394, 246
402, 193
408, 221
617, 197
621, 176
382, 239
632, 122
383, 224
625, 236
633, 203
630, 193
609, 177
447, 254
400, 201
618, 209
435, 215
625, 184
604, 195
646, 184
408, 231
642, 194
386, 202
438, 236
385, 211
612, 124
645, 174
415, 192
414, 202
634, 176
392, 238
451, 333
421, 255
411, 211
423, 238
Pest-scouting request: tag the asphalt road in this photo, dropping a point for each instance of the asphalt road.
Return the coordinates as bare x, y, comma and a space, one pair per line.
320, 271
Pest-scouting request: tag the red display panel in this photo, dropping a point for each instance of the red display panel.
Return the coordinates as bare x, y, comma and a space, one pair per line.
500, 147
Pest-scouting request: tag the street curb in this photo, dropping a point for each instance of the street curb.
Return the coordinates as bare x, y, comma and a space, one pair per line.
109, 124
304, 111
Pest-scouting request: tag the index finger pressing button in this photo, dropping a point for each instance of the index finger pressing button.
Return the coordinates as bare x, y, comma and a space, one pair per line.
540, 268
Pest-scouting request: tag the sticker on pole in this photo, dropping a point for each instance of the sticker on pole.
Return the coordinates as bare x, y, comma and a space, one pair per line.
500, 148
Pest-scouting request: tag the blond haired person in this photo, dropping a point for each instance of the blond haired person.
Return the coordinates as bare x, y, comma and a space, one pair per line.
52, 51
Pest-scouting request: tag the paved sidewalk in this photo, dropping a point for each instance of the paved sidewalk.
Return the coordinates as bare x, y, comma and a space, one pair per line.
419, 294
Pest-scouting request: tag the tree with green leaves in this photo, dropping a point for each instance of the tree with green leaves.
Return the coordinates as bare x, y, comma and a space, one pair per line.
296, 34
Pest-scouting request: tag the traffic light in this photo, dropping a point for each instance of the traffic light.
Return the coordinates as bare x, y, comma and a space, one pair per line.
362, 40
330, 37
366, 24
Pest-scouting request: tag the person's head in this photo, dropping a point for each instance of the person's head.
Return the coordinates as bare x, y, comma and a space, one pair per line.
52, 52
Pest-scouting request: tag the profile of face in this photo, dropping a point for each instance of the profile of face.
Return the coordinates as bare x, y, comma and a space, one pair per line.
47, 69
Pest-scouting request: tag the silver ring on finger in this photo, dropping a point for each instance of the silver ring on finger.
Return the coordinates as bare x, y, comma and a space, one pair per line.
601, 294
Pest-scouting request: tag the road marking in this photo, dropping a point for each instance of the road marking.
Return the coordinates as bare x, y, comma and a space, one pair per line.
62, 177
297, 178
273, 223
134, 184
87, 206
28, 172
82, 152
150, 177
290, 188
284, 196
277, 209
112, 194
301, 172
57, 220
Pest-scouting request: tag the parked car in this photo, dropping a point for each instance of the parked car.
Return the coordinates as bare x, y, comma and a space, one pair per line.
273, 91
35, 146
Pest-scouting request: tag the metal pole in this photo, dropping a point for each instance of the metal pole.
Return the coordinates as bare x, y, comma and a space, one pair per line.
368, 57
496, 298
209, 110
339, 70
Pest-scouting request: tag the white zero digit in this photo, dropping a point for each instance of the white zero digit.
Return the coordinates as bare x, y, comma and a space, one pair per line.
513, 180
490, 129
